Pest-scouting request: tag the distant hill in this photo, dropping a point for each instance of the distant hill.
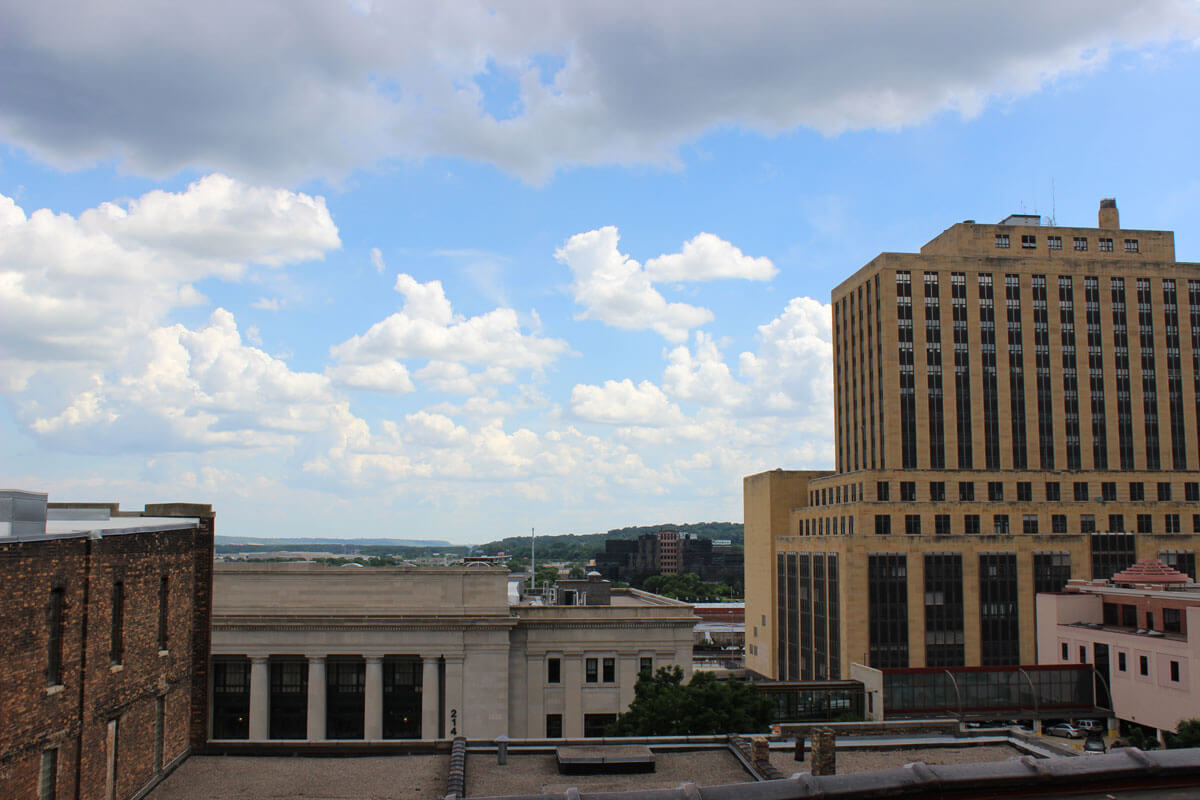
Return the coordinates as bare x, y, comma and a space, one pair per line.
304, 544
581, 547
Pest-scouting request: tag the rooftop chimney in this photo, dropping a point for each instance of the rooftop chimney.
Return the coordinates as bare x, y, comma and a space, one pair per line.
22, 513
1109, 218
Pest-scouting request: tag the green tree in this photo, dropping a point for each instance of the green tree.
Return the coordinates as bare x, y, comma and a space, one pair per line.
663, 705
688, 588
1187, 734
1141, 738
545, 576
576, 572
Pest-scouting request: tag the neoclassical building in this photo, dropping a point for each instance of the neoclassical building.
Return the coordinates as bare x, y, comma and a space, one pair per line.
311, 652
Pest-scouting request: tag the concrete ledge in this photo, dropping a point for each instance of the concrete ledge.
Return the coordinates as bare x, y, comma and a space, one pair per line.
604, 759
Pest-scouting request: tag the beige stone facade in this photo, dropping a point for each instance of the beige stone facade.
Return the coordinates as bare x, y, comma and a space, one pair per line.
424, 652
1016, 400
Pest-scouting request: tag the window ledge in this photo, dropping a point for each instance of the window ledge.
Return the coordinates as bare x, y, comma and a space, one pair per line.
55, 689
116, 667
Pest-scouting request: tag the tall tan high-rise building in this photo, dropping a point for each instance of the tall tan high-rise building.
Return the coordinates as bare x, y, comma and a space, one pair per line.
1016, 405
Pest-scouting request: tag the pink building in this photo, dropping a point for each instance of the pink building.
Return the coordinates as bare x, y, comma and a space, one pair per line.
1134, 629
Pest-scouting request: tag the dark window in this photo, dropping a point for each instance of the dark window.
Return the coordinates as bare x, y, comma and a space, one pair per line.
881, 490
1191, 491
1111, 553
933, 372
1054, 242
1120, 329
1082, 654
1081, 243
1174, 664
1051, 571
1028, 241
1137, 491
595, 725
1000, 523
1016, 369
887, 614
231, 698
554, 726
116, 649
288, 706
1121, 662
1108, 490
1144, 524
1182, 560
937, 491
1128, 616
1058, 523
1131, 245
1024, 490
48, 780
1081, 490
345, 697
998, 628
1172, 620
995, 490
610, 670
833, 616
646, 664
1087, 523
908, 383
403, 681
941, 523
1112, 614
1066, 652
883, 524
966, 490
1095, 351
553, 670
1002, 241
1143, 665
1106, 245
55, 638
591, 670
1052, 491
970, 523
1164, 490
1116, 523
962, 369
912, 524
944, 610
1171, 523
163, 597
908, 490
1029, 523
1195, 523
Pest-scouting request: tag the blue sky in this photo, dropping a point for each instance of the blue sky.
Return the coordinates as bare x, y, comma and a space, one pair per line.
368, 269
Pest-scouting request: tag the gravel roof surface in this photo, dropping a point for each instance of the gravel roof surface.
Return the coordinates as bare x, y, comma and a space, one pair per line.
266, 778
849, 761
533, 774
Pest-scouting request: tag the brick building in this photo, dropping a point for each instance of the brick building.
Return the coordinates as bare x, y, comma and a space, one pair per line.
1016, 405
104, 660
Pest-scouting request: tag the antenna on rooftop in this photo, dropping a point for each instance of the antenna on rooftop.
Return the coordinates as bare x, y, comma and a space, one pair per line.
1053, 212
532, 555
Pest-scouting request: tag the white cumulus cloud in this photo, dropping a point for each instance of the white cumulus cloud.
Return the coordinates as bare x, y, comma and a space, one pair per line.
624, 403
708, 257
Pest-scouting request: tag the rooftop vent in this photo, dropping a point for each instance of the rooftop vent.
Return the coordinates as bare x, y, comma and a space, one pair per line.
1109, 217
22, 513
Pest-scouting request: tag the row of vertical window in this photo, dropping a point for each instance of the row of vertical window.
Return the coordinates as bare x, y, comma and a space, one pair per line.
1123, 663
1024, 491
1030, 523
56, 624
595, 670
808, 633
1042, 366
1055, 242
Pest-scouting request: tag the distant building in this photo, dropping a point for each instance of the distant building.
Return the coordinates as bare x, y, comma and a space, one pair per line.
669, 552
105, 656
1141, 631
1014, 406
318, 653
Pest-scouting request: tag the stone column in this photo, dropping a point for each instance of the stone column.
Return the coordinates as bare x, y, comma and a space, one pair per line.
373, 699
429, 697
455, 713
260, 688
316, 698
824, 752
572, 676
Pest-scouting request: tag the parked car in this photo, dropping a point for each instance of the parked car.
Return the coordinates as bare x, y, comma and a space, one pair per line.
1064, 729
1094, 743
1090, 725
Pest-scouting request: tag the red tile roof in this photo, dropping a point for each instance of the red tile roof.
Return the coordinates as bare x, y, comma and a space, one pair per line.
1150, 570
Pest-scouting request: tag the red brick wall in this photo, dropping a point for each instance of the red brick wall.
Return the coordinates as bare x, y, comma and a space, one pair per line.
32, 720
